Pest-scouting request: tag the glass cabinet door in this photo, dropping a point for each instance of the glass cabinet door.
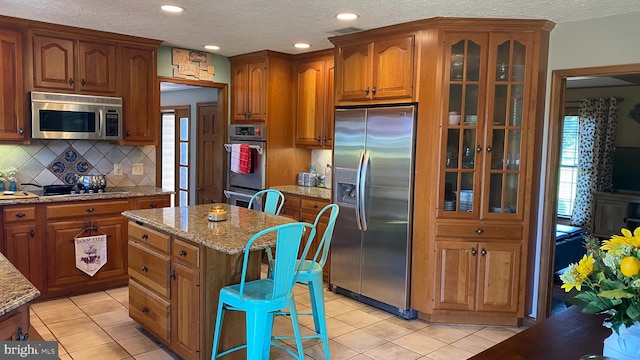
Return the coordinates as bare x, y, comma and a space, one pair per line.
506, 125
462, 125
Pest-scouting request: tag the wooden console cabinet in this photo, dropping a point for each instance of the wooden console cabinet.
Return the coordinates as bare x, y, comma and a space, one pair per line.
614, 211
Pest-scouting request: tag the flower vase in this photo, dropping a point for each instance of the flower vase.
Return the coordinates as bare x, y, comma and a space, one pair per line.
625, 345
12, 186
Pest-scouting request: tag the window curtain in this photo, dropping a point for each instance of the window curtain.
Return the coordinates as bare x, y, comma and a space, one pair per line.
597, 119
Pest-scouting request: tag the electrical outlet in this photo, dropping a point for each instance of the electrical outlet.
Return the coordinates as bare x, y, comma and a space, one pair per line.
117, 169
137, 169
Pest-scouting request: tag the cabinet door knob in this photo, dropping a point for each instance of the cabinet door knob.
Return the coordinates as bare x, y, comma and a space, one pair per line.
83, 83
70, 81
21, 131
366, 91
21, 215
373, 90
90, 210
325, 138
183, 253
152, 205
479, 231
315, 206
21, 336
144, 268
483, 252
145, 236
173, 275
128, 133
32, 233
145, 310
478, 149
318, 138
473, 252
488, 149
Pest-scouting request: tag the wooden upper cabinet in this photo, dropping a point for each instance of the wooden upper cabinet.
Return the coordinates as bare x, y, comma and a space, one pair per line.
314, 102
376, 70
248, 91
67, 64
12, 110
139, 96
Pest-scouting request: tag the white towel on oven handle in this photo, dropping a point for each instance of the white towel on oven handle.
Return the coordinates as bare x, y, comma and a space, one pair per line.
235, 158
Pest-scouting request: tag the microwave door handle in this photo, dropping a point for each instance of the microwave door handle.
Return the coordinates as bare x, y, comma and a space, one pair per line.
100, 122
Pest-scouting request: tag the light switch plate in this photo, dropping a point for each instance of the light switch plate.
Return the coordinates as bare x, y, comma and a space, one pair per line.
137, 169
117, 169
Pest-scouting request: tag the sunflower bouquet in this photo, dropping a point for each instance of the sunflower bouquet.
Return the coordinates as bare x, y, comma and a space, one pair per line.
607, 278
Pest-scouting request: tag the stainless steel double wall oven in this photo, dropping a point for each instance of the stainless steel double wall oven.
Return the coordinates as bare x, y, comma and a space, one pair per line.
242, 186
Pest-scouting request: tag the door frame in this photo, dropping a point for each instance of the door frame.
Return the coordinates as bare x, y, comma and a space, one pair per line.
549, 205
223, 109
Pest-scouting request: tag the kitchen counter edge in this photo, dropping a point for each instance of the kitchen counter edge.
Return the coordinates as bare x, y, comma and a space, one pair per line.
316, 192
15, 289
112, 193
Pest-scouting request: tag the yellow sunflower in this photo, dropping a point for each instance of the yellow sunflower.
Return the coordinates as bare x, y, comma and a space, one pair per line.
574, 276
617, 241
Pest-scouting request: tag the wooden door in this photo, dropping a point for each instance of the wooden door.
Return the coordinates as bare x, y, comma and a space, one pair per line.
239, 94
19, 242
140, 96
53, 61
211, 154
96, 67
12, 110
498, 277
393, 67
355, 72
310, 107
185, 307
456, 275
257, 93
329, 108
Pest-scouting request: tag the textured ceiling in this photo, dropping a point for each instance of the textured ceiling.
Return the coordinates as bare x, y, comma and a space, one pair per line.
241, 26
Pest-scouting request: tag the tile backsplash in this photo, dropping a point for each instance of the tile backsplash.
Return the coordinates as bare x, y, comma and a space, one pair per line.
50, 162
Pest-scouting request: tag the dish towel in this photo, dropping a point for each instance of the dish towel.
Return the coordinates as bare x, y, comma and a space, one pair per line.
245, 159
235, 158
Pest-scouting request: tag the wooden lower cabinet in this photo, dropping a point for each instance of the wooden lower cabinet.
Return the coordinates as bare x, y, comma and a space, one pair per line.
174, 290
305, 208
24, 242
479, 277
14, 325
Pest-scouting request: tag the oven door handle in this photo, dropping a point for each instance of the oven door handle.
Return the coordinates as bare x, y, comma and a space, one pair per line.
229, 194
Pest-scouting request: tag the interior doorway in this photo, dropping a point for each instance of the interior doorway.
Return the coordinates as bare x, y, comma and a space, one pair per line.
554, 131
174, 93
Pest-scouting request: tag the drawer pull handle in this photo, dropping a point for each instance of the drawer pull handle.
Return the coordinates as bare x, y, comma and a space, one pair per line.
483, 252
183, 253
473, 252
152, 205
145, 310
32, 233
21, 215
144, 268
479, 231
173, 275
315, 206
90, 210
145, 236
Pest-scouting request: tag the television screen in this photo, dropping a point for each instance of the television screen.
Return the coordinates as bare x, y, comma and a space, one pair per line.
626, 168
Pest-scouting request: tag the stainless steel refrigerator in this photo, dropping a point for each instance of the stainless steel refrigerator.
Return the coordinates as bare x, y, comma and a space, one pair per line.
373, 182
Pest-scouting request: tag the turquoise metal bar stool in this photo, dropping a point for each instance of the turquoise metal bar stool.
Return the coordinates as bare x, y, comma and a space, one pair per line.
262, 299
272, 201
311, 275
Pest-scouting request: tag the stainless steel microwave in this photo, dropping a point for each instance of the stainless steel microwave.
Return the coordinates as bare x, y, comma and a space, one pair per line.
70, 116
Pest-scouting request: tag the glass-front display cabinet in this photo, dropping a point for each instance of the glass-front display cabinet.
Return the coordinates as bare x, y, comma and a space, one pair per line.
483, 126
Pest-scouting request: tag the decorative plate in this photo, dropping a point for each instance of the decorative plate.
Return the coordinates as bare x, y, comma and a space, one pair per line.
70, 155
82, 167
71, 178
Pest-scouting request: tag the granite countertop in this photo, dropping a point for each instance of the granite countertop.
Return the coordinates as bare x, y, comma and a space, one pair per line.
15, 289
191, 223
110, 193
316, 192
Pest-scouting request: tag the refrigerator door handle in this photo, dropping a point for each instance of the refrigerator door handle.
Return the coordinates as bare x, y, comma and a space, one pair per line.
358, 176
363, 179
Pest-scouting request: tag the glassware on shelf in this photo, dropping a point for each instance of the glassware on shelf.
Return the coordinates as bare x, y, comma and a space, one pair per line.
454, 118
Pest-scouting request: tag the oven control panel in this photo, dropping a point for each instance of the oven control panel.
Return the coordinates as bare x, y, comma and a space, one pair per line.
247, 132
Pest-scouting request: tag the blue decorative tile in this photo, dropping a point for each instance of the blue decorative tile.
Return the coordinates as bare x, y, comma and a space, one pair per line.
58, 167
70, 155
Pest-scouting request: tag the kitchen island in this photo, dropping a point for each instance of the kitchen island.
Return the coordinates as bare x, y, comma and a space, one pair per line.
178, 262
15, 293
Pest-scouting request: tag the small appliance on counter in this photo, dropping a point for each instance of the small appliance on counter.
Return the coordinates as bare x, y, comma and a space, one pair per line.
307, 179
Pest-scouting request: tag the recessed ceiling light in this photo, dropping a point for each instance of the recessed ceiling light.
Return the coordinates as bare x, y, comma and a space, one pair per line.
347, 16
212, 47
172, 8
302, 45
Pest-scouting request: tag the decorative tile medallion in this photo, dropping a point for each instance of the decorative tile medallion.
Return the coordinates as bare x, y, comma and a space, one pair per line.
69, 165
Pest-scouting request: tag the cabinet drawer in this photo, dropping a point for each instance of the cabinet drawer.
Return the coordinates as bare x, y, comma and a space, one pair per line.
480, 231
149, 310
149, 237
149, 268
186, 253
154, 202
290, 213
13, 214
86, 208
313, 204
291, 201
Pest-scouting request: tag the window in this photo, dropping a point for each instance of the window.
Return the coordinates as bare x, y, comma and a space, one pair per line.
175, 153
568, 166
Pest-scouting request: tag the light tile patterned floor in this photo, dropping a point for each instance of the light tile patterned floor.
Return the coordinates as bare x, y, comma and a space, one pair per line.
97, 326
